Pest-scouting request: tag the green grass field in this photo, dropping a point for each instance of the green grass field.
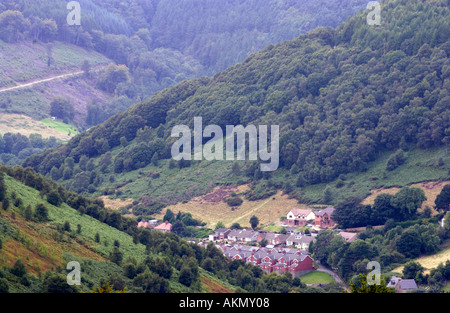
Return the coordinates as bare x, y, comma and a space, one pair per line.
316, 277
64, 128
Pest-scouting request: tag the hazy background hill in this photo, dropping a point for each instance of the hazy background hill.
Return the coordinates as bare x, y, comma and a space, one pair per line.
159, 43
222, 33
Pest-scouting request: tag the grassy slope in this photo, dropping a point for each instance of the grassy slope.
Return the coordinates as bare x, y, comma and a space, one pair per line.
431, 261
66, 129
421, 165
89, 225
42, 248
27, 61
268, 210
201, 178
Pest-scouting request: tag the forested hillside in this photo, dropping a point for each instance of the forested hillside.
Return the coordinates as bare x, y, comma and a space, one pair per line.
222, 33
160, 44
341, 97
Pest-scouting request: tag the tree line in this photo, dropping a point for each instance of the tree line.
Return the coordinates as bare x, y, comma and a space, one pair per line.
15, 147
392, 245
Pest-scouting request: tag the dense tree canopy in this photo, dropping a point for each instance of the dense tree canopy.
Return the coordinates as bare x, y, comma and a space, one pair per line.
162, 43
339, 96
402, 206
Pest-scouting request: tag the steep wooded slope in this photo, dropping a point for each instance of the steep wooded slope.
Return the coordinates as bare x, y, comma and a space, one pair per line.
340, 97
161, 42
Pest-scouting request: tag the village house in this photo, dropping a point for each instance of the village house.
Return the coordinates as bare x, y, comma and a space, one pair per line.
165, 227
272, 238
219, 234
143, 224
147, 224
300, 217
280, 261
299, 241
402, 285
348, 236
323, 218
242, 235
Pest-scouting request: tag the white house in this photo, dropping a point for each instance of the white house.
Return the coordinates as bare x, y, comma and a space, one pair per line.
300, 216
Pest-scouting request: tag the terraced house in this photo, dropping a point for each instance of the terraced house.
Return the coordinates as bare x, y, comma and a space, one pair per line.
295, 261
243, 235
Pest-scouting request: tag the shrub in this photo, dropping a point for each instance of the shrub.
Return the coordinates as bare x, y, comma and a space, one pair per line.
4, 288
66, 226
186, 276
234, 201
19, 268
395, 160
54, 198
41, 213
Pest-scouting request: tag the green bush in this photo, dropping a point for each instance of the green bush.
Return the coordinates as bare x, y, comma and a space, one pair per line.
234, 201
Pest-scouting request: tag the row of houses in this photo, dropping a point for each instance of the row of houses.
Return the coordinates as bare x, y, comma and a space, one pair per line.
271, 260
296, 239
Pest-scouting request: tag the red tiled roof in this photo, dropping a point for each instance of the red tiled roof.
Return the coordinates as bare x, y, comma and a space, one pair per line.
164, 226
143, 224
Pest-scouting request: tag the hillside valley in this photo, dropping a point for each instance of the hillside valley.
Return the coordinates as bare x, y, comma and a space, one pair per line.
110, 167
333, 132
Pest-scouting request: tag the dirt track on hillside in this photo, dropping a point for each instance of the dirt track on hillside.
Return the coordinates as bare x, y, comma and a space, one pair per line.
49, 79
40, 81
